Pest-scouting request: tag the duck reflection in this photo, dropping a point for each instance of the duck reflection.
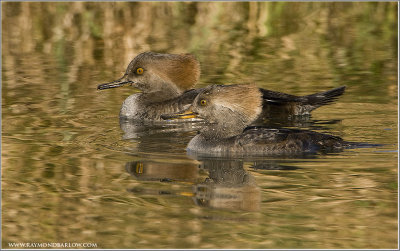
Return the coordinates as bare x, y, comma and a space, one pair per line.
156, 171
229, 186
215, 183
136, 129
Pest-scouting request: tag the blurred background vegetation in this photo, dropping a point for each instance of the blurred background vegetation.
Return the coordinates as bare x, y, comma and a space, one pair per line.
351, 37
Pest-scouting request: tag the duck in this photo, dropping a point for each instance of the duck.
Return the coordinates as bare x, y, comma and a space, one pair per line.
229, 110
167, 81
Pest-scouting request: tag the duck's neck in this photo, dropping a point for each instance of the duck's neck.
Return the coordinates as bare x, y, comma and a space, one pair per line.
151, 105
165, 92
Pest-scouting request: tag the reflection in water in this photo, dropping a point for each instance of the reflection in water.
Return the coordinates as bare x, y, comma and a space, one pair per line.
227, 184
151, 170
135, 129
62, 154
272, 165
150, 138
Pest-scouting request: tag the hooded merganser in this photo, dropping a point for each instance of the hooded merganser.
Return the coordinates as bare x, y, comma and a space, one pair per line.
166, 81
229, 109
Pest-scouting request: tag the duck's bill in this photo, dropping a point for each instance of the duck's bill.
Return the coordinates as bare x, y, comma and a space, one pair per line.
188, 114
114, 84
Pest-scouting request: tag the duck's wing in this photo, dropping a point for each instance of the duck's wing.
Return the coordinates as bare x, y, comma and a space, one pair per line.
279, 103
287, 140
323, 98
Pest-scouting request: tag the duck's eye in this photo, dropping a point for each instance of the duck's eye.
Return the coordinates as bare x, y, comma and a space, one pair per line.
139, 71
203, 102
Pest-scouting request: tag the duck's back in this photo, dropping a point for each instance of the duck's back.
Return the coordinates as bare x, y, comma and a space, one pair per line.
285, 141
258, 141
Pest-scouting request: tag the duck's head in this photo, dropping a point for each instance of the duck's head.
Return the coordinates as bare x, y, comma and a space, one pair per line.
229, 106
153, 72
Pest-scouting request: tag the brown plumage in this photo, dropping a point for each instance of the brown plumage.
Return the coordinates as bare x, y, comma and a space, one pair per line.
165, 81
242, 99
181, 69
229, 110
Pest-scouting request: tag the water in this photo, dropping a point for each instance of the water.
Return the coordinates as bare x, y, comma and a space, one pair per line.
72, 173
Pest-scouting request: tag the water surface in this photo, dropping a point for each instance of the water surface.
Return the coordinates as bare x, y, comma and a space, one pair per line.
71, 172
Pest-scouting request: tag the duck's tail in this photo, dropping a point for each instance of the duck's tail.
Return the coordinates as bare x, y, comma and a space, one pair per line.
284, 105
323, 98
